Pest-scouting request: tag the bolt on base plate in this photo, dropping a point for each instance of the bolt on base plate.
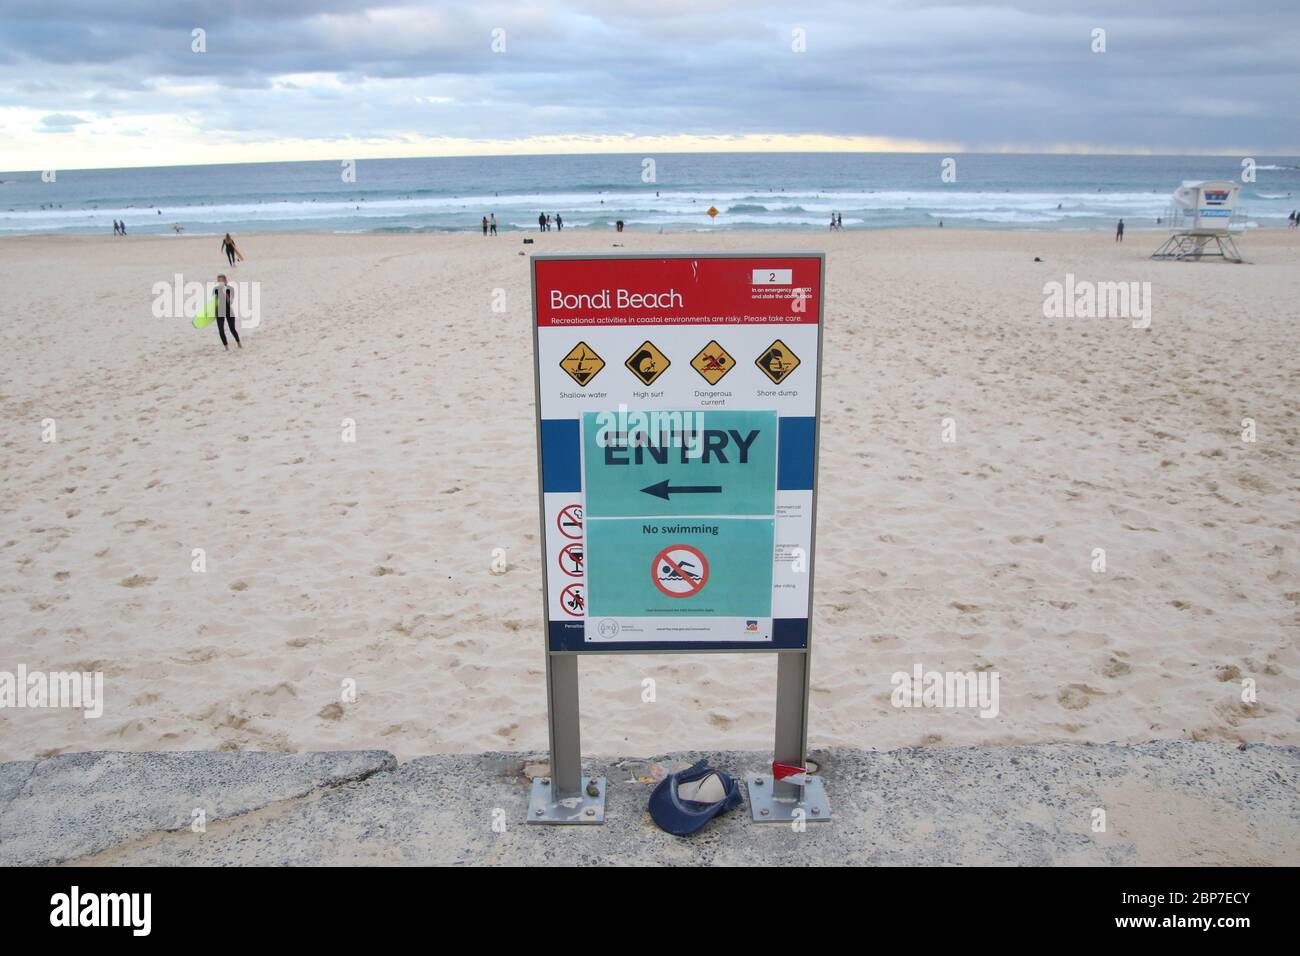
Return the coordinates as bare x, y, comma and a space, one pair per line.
767, 808
578, 808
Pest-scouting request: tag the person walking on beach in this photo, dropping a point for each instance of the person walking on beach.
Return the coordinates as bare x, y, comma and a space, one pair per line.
117, 228
493, 224
224, 295
559, 223
230, 249
541, 222
485, 227
1119, 231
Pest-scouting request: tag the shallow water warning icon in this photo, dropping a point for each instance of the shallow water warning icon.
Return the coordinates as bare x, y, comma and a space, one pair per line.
680, 571
582, 363
777, 362
647, 363
713, 362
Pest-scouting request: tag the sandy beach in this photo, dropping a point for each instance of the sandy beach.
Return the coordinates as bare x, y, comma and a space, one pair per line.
371, 561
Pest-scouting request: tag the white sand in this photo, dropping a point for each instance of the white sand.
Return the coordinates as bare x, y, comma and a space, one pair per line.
370, 561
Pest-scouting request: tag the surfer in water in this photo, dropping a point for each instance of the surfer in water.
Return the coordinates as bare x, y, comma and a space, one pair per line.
230, 249
224, 295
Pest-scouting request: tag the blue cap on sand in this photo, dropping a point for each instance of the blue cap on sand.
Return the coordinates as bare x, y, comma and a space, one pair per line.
683, 802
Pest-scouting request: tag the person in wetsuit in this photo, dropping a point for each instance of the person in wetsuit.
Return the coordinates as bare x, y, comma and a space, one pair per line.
224, 295
228, 247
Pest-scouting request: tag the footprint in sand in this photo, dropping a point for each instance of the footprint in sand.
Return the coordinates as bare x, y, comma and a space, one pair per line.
136, 581
1076, 696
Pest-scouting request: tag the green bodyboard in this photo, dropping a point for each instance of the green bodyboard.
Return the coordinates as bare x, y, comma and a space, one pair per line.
208, 315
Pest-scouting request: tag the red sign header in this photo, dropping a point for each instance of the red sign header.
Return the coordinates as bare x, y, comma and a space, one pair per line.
684, 290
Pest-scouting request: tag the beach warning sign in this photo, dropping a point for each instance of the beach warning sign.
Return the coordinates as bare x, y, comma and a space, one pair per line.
678, 495
582, 363
713, 362
777, 361
647, 363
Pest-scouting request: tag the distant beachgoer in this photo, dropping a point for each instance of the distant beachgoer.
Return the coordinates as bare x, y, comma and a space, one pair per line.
123, 225
485, 224
117, 227
618, 225
548, 222
492, 225
832, 222
1119, 231
230, 249
541, 222
839, 220
224, 295
940, 223
559, 223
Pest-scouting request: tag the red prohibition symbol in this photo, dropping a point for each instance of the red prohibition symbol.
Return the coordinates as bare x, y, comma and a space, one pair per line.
574, 600
680, 571
571, 559
569, 521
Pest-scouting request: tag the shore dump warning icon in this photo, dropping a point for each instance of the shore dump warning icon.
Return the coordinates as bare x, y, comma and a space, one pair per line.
777, 362
713, 362
680, 571
647, 363
582, 363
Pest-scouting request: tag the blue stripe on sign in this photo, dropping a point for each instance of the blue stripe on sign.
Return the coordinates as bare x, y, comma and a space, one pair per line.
788, 634
561, 461
796, 452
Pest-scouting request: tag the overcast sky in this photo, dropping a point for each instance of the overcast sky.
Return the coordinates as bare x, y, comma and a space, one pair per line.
116, 82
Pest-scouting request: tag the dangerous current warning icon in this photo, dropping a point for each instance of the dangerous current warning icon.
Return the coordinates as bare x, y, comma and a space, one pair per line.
777, 362
680, 571
647, 363
713, 362
582, 363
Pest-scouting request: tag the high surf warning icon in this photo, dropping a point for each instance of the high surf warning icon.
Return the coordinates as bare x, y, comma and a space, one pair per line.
582, 363
647, 363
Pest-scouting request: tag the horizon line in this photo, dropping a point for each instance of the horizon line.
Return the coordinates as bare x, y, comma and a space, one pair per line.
1008, 151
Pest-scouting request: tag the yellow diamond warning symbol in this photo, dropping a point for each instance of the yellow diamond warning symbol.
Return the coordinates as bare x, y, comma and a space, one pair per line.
777, 362
582, 363
713, 362
647, 363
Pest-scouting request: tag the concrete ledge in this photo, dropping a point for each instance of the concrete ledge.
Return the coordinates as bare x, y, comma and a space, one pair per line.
1168, 802
73, 805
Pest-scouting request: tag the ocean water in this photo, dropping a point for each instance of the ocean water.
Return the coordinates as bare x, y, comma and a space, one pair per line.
750, 191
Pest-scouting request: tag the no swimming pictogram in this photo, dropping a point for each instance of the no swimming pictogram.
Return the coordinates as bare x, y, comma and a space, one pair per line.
680, 570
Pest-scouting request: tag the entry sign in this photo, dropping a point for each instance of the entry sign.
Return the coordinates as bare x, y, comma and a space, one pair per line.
685, 469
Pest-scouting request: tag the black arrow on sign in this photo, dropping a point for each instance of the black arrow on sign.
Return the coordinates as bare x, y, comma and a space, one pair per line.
662, 489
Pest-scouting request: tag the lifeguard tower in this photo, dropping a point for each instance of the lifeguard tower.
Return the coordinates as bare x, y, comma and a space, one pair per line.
1202, 213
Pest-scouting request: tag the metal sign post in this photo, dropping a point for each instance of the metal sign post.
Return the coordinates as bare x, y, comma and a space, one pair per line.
678, 399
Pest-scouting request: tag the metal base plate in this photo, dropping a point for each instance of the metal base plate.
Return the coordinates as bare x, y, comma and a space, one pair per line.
581, 808
767, 808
